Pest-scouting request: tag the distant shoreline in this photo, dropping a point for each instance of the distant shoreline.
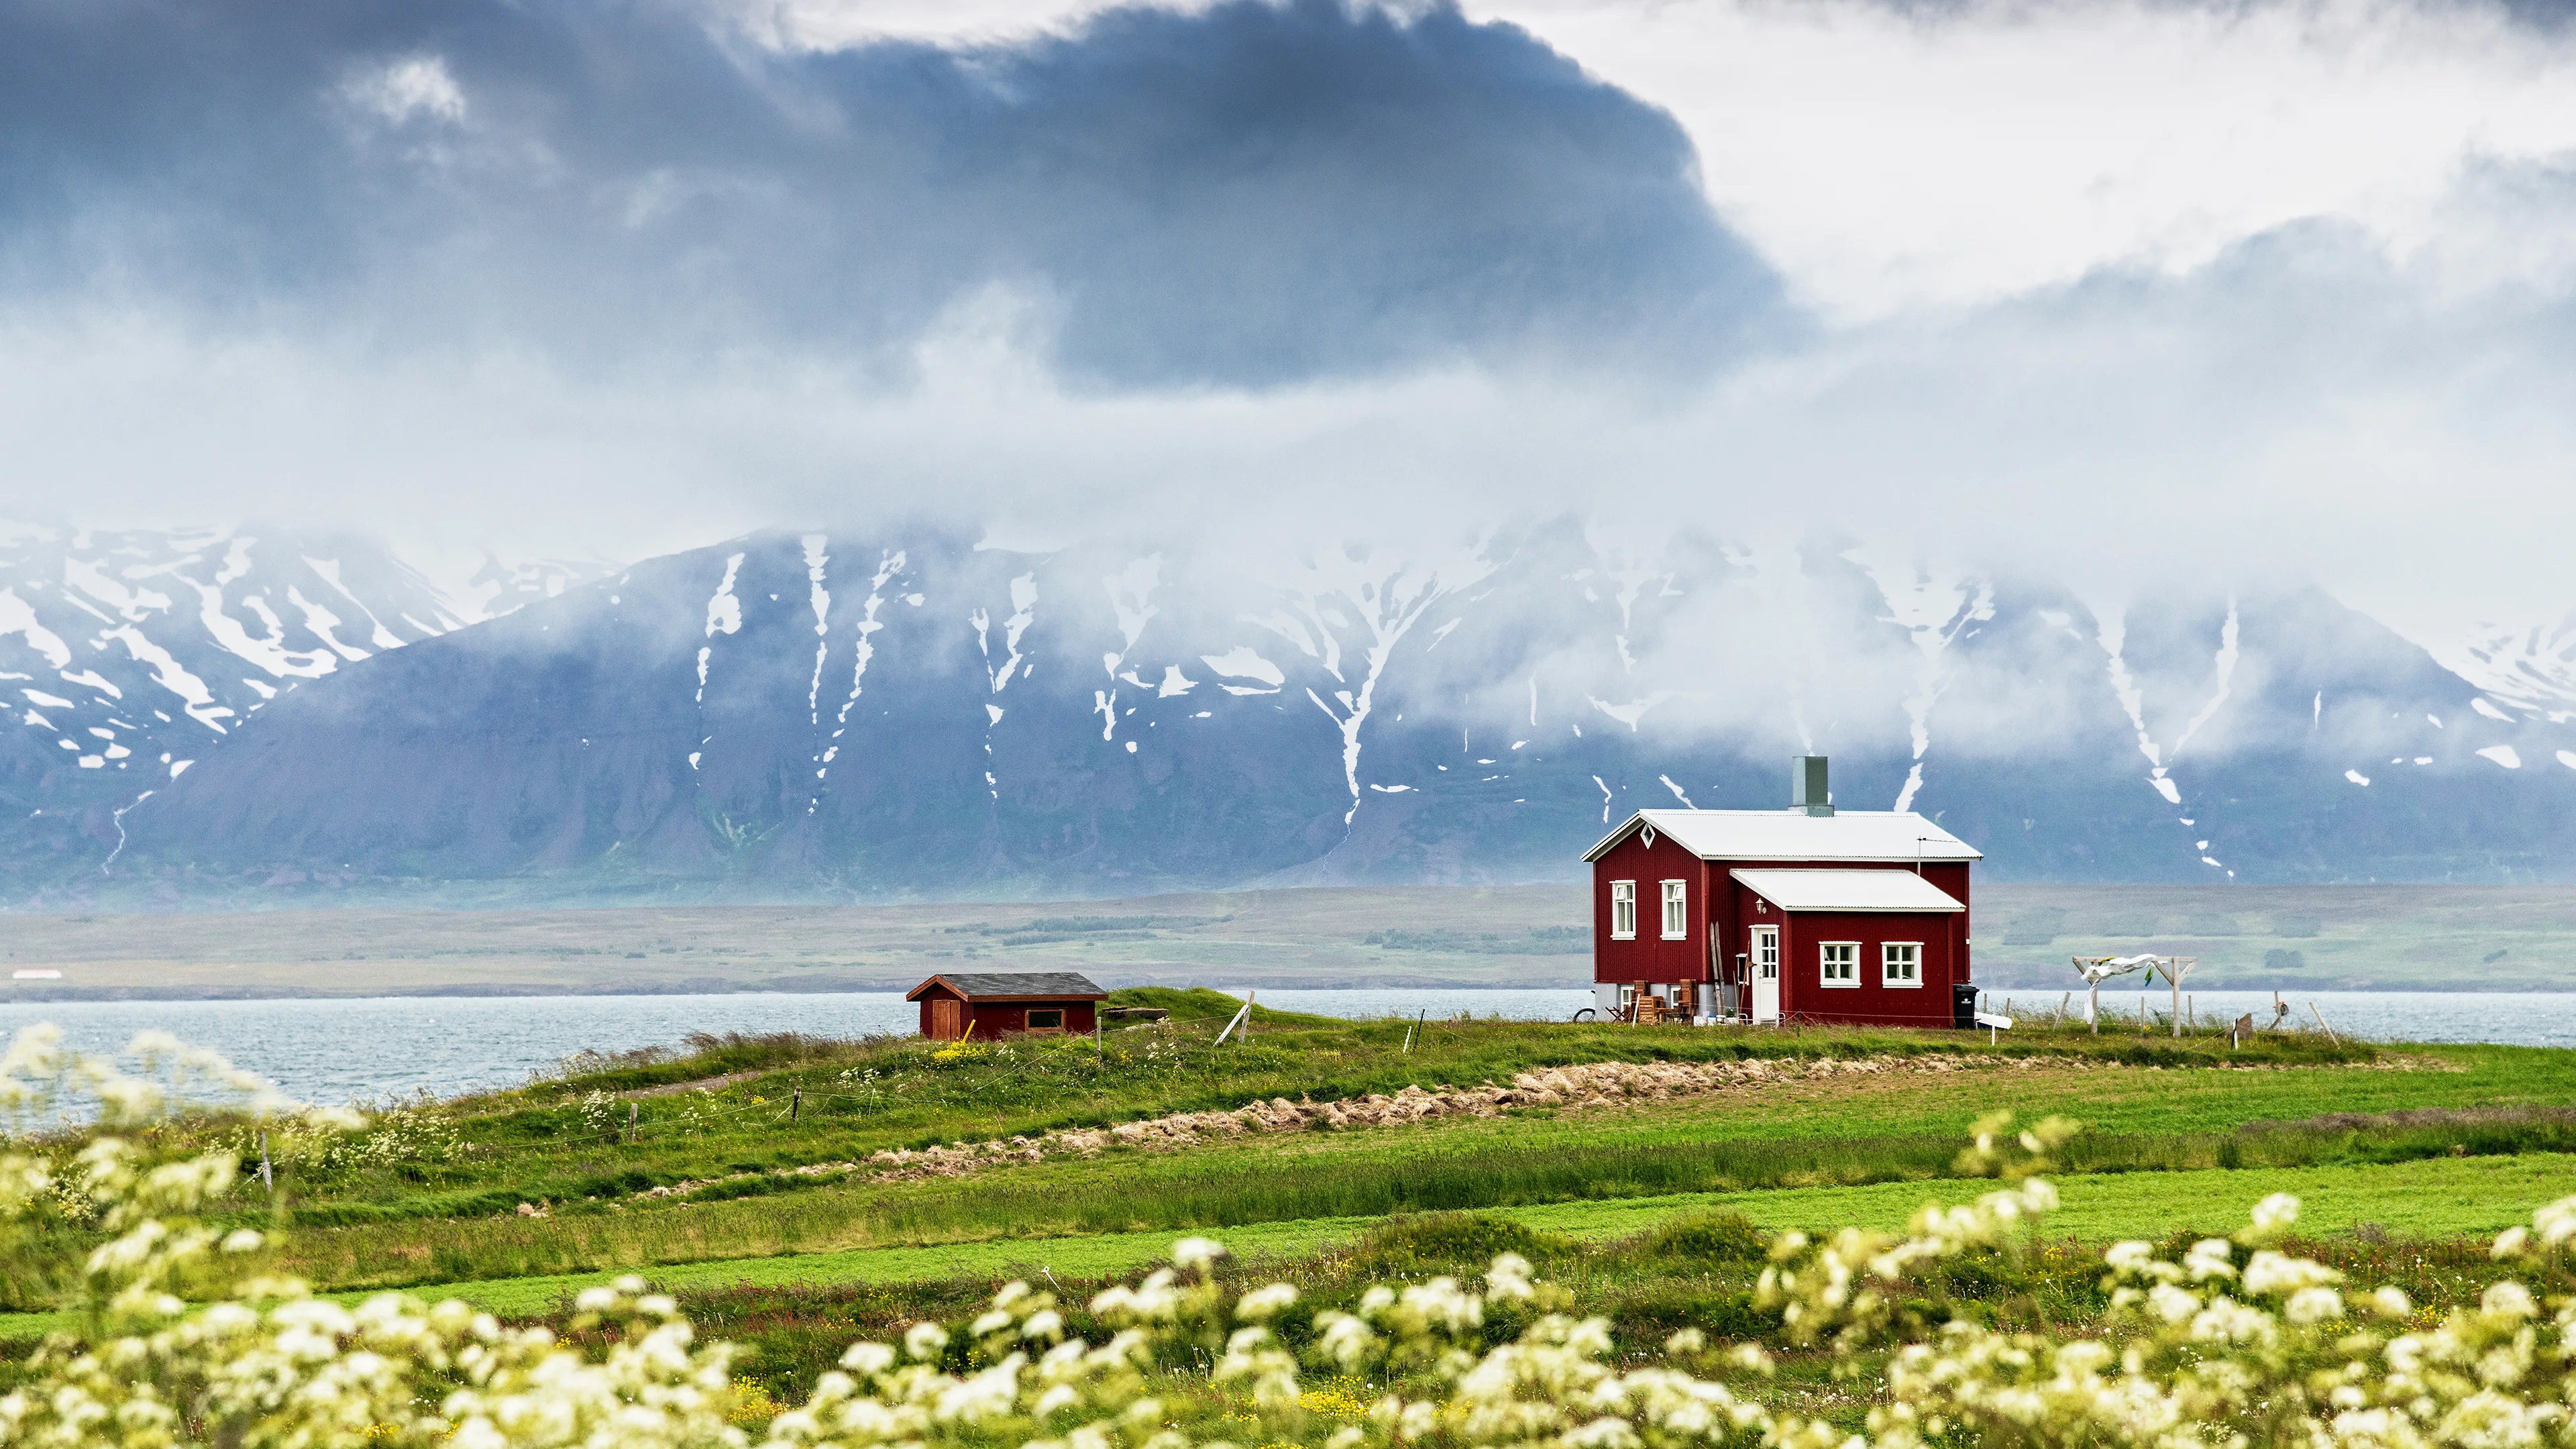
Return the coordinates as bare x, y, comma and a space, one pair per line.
506, 991
499, 990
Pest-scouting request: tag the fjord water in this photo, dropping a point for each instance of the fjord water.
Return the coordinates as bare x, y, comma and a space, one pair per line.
355, 1049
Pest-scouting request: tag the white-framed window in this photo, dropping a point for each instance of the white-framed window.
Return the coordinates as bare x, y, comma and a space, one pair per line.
1839, 962
1900, 963
1623, 910
1049, 1018
1676, 909
1766, 953
1627, 1002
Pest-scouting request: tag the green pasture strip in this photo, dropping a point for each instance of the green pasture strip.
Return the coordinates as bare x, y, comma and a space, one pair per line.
532, 1157
1723, 1143
2439, 1197
571, 1140
1094, 1256
2435, 1198
2443, 1197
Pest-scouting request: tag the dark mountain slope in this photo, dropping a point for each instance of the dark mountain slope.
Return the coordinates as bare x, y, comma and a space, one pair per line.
904, 714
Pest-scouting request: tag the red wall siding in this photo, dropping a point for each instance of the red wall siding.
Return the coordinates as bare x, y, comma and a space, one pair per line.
996, 1018
1650, 957
1738, 912
1804, 994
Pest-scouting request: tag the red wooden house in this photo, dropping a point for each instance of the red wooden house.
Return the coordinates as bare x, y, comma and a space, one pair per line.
987, 1004
1808, 914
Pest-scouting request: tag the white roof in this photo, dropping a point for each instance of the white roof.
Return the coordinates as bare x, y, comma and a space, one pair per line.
1797, 835
1847, 890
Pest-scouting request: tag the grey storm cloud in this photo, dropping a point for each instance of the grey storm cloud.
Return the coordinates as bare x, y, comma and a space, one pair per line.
1254, 194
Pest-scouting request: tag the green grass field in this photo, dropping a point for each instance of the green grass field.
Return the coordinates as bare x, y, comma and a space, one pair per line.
368, 1228
2408, 1159
2437, 1198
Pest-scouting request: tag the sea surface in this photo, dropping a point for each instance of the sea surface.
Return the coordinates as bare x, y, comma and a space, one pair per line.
366, 1049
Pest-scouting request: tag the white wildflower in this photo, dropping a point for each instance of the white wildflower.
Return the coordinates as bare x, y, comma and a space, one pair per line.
2209, 1258
2556, 1222
1265, 1303
2274, 1216
2508, 1300
2313, 1305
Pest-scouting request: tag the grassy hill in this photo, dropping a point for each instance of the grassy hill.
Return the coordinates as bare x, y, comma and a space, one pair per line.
796, 1191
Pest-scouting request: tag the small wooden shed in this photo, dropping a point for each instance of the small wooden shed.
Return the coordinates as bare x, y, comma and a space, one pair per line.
987, 1004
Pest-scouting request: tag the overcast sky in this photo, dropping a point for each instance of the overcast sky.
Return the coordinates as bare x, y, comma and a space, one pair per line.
2155, 294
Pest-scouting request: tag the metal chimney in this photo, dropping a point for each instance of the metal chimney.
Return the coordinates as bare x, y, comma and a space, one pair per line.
1808, 790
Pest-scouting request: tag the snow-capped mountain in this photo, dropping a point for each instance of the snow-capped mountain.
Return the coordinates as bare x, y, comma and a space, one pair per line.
902, 713
2530, 668
127, 655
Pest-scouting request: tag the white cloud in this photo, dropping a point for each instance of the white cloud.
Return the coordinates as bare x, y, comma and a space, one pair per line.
2196, 411
1895, 157
418, 85
1892, 157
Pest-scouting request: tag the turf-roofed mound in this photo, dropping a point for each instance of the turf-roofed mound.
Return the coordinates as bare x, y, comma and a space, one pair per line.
1199, 1004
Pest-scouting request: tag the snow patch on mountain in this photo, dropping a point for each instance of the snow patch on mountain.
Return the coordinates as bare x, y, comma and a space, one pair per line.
1634, 710
194, 697
2111, 635
1934, 610
724, 616
380, 636
1377, 604
998, 676
2527, 667
1131, 594
1245, 662
319, 619
18, 619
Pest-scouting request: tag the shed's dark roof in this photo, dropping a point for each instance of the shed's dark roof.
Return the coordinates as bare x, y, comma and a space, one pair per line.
1054, 985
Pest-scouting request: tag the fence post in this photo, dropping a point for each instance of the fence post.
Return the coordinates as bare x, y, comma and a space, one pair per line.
633, 1112
795, 1104
267, 1179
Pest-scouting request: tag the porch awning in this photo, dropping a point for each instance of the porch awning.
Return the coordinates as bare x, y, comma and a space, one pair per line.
1847, 890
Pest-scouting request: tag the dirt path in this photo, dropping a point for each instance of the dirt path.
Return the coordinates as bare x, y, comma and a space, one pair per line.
1571, 1088
1566, 1089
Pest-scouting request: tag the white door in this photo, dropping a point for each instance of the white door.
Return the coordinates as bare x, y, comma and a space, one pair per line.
1766, 973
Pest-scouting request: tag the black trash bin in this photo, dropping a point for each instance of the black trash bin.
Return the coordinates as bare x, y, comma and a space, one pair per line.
1963, 1004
